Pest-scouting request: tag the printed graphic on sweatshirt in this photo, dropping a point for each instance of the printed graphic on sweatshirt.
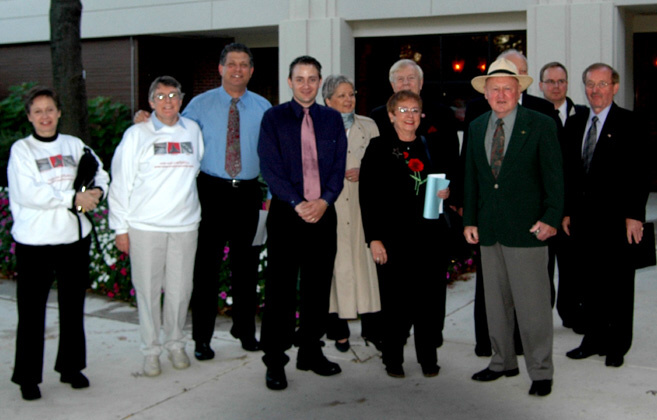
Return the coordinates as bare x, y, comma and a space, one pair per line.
173, 148
57, 161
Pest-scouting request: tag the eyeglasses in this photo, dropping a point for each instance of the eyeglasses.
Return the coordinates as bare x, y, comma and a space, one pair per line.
600, 85
170, 95
404, 110
409, 79
552, 83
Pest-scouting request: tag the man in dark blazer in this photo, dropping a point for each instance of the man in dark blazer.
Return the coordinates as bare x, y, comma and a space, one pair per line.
474, 109
606, 193
554, 85
513, 203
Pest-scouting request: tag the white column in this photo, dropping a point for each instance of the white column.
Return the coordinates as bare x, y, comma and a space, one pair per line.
314, 29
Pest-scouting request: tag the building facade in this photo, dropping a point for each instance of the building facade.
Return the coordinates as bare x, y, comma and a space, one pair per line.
128, 42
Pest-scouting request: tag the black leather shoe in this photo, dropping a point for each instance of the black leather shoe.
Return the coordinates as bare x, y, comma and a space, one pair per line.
482, 351
488, 375
614, 361
275, 379
582, 353
250, 344
342, 347
541, 388
322, 367
30, 392
395, 371
430, 371
203, 351
77, 380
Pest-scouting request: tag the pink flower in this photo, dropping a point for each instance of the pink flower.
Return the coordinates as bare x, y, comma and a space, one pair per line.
116, 287
110, 294
113, 267
469, 261
223, 295
297, 314
124, 272
132, 292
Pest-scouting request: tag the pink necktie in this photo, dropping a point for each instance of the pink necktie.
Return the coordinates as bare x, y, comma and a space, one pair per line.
311, 184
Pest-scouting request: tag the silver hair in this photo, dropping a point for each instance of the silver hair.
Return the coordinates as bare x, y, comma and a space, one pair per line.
331, 84
166, 81
405, 63
512, 51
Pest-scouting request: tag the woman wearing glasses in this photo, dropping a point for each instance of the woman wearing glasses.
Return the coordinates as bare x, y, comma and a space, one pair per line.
409, 250
155, 212
355, 287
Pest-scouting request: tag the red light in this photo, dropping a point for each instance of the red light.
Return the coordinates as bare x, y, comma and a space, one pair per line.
457, 65
482, 66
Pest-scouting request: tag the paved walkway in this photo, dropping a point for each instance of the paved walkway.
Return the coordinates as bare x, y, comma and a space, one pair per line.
232, 385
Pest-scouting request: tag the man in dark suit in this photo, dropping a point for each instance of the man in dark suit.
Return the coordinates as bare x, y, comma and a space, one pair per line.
513, 203
554, 85
406, 74
474, 109
606, 194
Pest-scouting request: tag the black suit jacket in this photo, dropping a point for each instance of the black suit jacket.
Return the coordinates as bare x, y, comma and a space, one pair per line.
616, 186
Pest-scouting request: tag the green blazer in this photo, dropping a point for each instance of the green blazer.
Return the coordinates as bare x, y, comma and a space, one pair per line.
529, 186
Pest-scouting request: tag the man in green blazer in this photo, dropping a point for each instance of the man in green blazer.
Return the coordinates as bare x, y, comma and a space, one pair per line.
513, 203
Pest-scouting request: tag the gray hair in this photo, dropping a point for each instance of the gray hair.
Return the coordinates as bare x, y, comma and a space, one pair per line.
331, 84
165, 81
512, 51
405, 63
615, 77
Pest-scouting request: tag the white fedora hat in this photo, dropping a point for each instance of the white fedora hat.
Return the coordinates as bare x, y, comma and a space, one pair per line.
502, 68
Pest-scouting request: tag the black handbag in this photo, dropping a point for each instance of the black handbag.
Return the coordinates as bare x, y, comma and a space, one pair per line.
643, 254
84, 180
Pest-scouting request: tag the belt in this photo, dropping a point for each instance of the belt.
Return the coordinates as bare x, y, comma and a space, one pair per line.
236, 183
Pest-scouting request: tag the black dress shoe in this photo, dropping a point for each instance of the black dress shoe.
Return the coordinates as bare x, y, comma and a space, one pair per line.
203, 351
582, 353
30, 392
275, 378
343, 347
77, 380
430, 371
250, 344
614, 361
482, 351
395, 371
541, 388
322, 367
488, 375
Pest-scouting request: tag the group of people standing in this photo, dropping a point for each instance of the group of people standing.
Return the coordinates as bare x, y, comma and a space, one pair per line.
346, 232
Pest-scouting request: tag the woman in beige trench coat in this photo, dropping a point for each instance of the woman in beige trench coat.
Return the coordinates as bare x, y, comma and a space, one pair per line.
355, 288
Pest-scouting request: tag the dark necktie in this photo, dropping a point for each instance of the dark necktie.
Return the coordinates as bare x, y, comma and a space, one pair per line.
589, 144
497, 149
233, 153
311, 184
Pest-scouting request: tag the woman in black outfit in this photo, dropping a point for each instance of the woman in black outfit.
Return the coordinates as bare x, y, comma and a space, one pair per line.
408, 249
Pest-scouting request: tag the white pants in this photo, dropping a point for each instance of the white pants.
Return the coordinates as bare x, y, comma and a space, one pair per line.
162, 262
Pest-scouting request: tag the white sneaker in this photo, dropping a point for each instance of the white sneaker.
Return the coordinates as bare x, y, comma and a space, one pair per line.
152, 366
179, 358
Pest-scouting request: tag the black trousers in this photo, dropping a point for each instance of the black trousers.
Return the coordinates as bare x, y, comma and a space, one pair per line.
38, 267
569, 294
371, 326
413, 290
303, 253
229, 214
608, 281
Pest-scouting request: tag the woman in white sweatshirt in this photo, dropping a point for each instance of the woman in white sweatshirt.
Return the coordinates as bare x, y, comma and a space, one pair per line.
52, 241
155, 212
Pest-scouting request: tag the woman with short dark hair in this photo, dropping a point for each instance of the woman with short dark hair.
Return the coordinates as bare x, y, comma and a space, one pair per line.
52, 241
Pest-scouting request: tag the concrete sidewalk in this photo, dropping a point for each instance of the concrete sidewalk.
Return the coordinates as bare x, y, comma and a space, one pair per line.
232, 386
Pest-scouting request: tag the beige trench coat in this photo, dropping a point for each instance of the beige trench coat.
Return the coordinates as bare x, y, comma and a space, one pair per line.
355, 287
